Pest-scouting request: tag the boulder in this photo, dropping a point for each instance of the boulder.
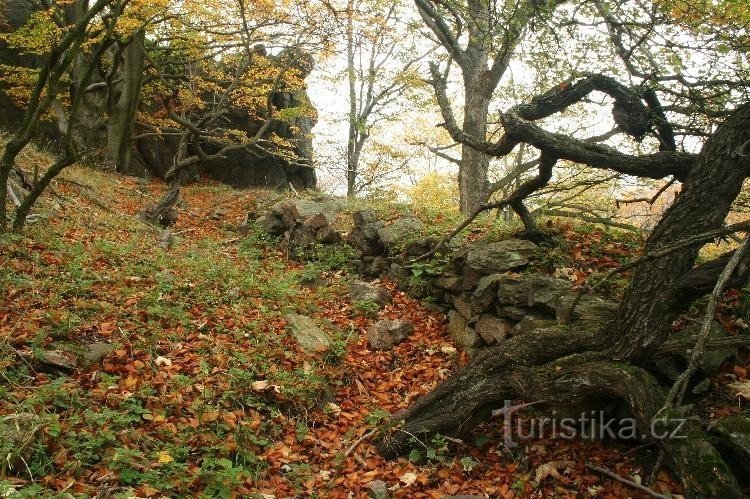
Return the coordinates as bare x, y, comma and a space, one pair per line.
732, 437
364, 235
94, 353
328, 235
500, 256
464, 336
449, 283
590, 308
545, 290
307, 333
463, 305
399, 232
493, 329
272, 223
58, 359
364, 291
671, 367
486, 292
513, 290
383, 335
512, 312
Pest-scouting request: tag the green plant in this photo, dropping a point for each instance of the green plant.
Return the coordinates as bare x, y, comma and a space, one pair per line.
366, 308
221, 476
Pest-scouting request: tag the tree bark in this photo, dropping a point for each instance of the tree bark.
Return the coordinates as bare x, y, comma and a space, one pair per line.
653, 298
571, 370
123, 108
472, 173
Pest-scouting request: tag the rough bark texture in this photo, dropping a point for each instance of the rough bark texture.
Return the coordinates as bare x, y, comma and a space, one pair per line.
652, 300
124, 104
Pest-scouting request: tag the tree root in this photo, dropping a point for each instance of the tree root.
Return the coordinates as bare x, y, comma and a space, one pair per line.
545, 365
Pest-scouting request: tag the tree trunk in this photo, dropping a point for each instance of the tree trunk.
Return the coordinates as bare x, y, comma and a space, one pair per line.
472, 172
573, 370
351, 160
655, 296
124, 107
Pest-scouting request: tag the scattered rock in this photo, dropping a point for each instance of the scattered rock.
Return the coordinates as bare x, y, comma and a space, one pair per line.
95, 352
307, 333
732, 435
513, 313
378, 489
500, 256
272, 224
364, 291
670, 368
383, 335
397, 234
493, 329
58, 359
513, 290
449, 283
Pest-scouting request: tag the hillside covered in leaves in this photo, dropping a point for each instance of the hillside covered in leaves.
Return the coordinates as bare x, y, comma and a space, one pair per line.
132, 370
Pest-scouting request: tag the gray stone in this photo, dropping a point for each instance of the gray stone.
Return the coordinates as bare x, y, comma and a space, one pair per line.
397, 234
733, 435
513, 290
511, 312
464, 336
378, 489
378, 266
95, 352
383, 335
486, 292
364, 236
500, 256
712, 359
462, 304
328, 235
670, 368
530, 323
589, 308
317, 211
545, 290
493, 329
272, 224
364, 291
307, 333
59, 359
449, 283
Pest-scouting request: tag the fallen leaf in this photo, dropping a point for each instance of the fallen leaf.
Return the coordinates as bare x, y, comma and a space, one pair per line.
408, 478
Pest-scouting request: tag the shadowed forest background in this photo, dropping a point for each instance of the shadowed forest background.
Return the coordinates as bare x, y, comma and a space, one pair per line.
363, 248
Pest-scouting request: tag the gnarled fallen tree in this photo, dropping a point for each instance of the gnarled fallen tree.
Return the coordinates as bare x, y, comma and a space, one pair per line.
574, 371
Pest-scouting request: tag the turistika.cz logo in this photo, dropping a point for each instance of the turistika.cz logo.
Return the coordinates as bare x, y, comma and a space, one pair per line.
590, 425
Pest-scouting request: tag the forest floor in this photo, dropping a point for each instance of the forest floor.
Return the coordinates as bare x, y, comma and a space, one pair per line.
204, 392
